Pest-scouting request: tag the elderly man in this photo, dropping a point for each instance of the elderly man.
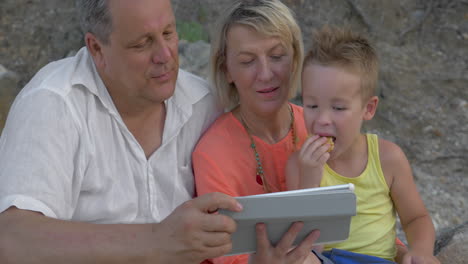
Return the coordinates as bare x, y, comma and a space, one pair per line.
95, 156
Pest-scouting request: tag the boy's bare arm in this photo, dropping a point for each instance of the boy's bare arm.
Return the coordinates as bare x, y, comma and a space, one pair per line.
414, 217
292, 172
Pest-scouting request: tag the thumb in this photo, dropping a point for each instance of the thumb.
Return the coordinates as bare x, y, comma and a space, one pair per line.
211, 202
263, 243
417, 260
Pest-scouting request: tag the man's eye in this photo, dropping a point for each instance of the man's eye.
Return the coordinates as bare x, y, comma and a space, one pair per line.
142, 44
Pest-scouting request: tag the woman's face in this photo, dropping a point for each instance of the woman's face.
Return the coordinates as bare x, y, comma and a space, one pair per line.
260, 68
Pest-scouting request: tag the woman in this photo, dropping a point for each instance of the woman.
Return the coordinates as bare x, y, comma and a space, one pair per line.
256, 62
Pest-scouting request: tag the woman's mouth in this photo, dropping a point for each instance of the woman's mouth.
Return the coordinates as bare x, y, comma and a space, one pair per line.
268, 90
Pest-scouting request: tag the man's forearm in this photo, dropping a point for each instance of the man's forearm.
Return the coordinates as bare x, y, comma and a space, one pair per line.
29, 237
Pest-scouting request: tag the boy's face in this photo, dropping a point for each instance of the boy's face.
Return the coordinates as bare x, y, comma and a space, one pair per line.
333, 105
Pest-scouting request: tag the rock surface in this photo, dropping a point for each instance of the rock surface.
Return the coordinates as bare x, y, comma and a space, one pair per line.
423, 87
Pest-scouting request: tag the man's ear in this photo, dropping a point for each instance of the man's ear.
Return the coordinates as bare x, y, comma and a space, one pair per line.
370, 108
95, 49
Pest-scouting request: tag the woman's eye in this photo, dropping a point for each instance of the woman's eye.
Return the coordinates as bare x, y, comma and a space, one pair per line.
277, 57
311, 106
247, 62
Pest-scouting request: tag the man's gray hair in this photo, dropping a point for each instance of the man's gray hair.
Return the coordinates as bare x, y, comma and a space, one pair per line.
95, 18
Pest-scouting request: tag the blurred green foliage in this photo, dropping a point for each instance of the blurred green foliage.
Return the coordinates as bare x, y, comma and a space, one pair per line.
191, 31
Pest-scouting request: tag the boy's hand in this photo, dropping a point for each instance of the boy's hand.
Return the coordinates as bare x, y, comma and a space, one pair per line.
413, 258
312, 157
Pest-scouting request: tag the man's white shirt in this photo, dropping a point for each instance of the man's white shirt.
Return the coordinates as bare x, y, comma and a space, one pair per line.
65, 151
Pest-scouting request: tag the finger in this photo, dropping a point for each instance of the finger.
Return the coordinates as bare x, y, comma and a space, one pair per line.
216, 239
218, 223
417, 260
263, 243
313, 147
306, 245
324, 158
307, 144
406, 259
214, 252
211, 202
288, 238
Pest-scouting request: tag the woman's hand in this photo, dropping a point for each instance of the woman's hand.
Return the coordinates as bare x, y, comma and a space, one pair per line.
284, 252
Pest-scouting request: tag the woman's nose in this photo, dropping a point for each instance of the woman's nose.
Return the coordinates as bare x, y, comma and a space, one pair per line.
265, 72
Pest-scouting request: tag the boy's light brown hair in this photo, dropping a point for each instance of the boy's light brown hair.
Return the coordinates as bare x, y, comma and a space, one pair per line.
343, 48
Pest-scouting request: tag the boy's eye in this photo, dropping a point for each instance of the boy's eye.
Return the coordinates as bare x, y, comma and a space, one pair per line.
338, 108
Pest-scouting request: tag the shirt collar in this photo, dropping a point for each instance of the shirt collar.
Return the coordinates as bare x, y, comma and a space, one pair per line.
86, 75
189, 90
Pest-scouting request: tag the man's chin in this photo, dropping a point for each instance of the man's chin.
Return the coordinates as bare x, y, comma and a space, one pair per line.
164, 91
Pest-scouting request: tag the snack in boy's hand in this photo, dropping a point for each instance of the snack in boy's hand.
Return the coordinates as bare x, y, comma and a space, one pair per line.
332, 144
329, 141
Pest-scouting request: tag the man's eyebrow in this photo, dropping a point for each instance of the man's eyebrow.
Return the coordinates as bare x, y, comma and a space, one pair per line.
148, 34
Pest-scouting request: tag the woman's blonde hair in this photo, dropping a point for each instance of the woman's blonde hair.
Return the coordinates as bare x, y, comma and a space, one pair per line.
341, 47
268, 17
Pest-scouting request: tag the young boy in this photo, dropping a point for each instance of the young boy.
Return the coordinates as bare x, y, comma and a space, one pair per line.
338, 88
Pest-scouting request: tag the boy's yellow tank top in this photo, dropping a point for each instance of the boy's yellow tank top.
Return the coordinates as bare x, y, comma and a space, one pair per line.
372, 230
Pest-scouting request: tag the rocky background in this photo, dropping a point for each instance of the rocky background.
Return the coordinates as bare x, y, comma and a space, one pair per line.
423, 88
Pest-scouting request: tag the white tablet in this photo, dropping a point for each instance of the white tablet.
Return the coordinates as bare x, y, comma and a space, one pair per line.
328, 209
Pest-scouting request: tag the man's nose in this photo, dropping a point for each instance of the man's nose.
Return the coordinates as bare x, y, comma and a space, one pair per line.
161, 53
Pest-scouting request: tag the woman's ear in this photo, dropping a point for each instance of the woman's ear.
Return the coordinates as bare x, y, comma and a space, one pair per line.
370, 108
228, 76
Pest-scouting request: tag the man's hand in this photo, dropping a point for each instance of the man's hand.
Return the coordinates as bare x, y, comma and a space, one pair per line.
284, 252
193, 233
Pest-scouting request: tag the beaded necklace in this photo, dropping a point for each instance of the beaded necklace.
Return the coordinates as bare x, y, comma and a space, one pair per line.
260, 177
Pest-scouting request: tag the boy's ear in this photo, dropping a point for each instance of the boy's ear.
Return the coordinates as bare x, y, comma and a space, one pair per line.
370, 108
95, 49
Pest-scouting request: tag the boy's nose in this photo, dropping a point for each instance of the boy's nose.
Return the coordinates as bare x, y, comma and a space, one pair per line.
324, 118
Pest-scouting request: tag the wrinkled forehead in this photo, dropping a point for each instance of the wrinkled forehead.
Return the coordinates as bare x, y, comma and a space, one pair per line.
141, 12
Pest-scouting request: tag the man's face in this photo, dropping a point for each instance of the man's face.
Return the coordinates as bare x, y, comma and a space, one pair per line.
140, 63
